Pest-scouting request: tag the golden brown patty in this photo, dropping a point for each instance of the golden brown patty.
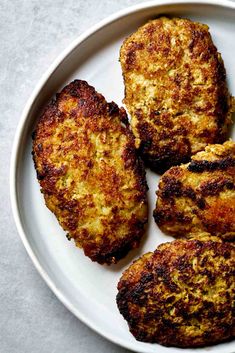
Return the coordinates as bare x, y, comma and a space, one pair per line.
90, 175
182, 294
199, 196
175, 90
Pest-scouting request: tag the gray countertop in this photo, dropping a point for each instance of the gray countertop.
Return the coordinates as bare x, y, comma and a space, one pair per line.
32, 34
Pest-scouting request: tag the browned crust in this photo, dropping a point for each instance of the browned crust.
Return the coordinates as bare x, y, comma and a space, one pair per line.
175, 90
90, 174
199, 196
201, 166
181, 295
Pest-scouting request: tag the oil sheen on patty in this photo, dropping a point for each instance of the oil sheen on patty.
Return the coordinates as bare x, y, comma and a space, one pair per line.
175, 90
199, 196
182, 294
89, 172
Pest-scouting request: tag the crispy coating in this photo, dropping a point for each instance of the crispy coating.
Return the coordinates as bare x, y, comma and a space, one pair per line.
175, 90
199, 196
181, 295
90, 174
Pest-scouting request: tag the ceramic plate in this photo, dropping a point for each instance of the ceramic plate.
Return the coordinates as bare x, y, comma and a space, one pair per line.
89, 289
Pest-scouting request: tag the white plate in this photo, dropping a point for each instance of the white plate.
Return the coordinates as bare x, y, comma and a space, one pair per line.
86, 288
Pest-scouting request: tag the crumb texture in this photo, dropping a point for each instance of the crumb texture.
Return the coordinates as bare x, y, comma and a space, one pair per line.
175, 90
199, 196
89, 172
182, 294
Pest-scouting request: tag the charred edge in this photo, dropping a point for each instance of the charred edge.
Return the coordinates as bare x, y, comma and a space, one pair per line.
76, 88
201, 166
34, 133
174, 188
141, 173
161, 217
112, 109
107, 255
161, 165
212, 188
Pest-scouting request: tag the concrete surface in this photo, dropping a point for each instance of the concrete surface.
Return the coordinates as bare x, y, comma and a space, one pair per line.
32, 34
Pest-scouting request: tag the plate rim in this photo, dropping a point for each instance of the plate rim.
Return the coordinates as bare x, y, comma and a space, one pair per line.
19, 132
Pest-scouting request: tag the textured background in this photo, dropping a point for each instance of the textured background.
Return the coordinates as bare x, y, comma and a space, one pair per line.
32, 34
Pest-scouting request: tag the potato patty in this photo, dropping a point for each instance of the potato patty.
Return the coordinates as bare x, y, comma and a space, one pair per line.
175, 90
181, 295
199, 196
89, 172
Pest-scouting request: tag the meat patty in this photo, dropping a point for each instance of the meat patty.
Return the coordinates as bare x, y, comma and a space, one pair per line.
89, 172
199, 196
182, 294
175, 90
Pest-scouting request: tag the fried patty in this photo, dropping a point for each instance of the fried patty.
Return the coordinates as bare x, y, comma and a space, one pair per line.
181, 295
175, 90
89, 172
199, 196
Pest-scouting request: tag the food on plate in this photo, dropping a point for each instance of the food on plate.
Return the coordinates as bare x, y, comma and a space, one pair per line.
182, 294
175, 90
89, 172
199, 196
